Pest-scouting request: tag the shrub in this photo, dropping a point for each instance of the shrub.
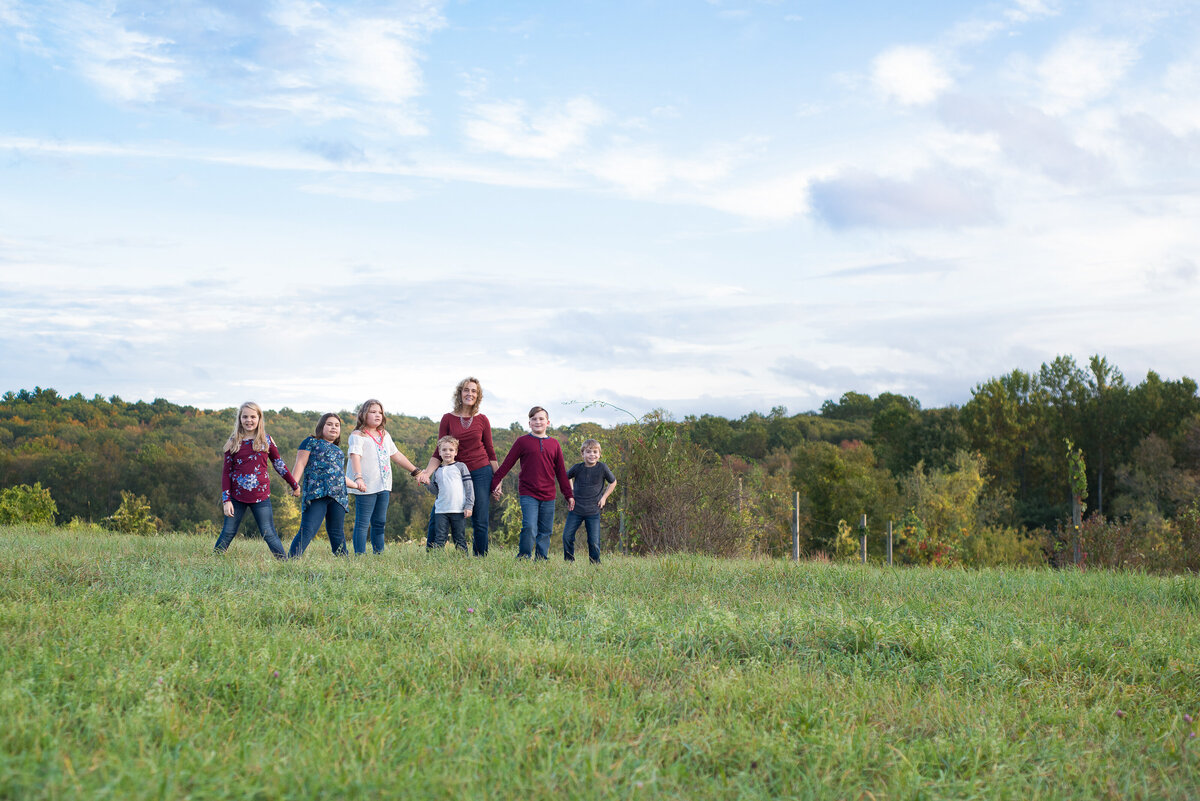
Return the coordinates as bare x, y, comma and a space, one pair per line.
1002, 546
845, 544
1143, 541
678, 495
78, 525
919, 546
26, 504
133, 516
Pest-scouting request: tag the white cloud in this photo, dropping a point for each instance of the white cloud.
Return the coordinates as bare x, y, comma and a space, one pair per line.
130, 65
508, 127
643, 169
1026, 10
1082, 69
776, 199
912, 76
310, 61
1028, 137
336, 64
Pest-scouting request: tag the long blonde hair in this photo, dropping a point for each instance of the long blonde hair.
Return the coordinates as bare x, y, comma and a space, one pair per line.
259, 435
473, 409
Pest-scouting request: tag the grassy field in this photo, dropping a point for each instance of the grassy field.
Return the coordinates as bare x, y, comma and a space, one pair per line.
148, 668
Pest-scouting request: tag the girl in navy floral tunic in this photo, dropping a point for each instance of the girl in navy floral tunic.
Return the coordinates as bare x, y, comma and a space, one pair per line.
321, 469
245, 483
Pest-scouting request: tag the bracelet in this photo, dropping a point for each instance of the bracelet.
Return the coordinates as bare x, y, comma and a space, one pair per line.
414, 471
358, 477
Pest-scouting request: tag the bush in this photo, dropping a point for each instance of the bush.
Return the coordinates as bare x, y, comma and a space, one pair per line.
26, 504
1002, 546
133, 516
919, 546
846, 546
1144, 541
678, 495
78, 525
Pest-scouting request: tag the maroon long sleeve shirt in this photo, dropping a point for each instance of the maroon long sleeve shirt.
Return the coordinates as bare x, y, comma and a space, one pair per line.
541, 463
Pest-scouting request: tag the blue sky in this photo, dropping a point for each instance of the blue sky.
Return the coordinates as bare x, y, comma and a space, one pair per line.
699, 206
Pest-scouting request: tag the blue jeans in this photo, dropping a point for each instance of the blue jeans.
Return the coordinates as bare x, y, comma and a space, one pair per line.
482, 481
453, 522
370, 512
535, 515
263, 516
592, 523
319, 509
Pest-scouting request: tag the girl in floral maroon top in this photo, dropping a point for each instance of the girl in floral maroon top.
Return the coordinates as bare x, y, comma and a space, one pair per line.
245, 483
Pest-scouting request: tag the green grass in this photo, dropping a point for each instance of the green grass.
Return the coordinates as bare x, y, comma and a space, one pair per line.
148, 668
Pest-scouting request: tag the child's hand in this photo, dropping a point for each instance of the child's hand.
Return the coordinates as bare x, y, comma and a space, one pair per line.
296, 491
360, 485
422, 478
467, 513
570, 504
227, 508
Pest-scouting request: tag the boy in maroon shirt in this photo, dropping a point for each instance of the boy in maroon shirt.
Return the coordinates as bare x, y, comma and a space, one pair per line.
541, 464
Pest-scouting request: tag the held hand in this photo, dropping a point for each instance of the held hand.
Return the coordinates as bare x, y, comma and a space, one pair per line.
227, 508
296, 491
570, 504
422, 478
360, 485
496, 493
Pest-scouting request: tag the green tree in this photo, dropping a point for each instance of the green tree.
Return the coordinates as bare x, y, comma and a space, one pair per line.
841, 483
946, 503
27, 504
133, 516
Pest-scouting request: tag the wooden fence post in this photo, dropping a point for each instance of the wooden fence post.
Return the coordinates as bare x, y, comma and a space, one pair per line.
889, 543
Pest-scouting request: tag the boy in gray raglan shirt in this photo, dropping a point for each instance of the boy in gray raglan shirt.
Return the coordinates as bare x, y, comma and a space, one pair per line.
455, 492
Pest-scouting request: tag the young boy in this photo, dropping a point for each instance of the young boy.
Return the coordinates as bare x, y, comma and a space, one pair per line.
541, 463
592, 482
455, 492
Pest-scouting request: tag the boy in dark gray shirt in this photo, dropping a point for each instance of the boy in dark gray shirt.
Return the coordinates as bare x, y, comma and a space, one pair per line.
592, 482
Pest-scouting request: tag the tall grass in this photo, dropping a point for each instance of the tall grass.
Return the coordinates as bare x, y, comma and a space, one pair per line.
148, 668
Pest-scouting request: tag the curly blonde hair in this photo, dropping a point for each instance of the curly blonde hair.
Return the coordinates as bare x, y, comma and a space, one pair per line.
457, 405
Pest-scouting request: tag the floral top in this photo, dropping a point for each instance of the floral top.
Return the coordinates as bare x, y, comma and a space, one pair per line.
375, 461
325, 473
245, 478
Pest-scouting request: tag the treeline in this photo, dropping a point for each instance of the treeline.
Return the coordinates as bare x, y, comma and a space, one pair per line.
989, 482
985, 483
88, 450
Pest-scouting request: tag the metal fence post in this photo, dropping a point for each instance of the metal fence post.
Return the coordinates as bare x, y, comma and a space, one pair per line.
862, 530
796, 527
621, 524
1076, 525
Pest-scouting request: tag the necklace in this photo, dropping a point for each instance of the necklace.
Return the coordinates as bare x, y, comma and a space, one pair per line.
378, 442
466, 421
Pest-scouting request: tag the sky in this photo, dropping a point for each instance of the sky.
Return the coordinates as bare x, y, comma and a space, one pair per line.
702, 207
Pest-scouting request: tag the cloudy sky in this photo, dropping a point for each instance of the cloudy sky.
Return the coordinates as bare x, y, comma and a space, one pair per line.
701, 206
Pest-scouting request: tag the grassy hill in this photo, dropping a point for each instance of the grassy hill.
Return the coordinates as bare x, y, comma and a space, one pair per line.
148, 668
